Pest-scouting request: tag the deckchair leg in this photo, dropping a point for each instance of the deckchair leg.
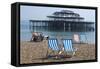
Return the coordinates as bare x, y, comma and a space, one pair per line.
73, 53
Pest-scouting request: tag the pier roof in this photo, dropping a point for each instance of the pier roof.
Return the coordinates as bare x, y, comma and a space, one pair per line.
65, 17
65, 12
61, 21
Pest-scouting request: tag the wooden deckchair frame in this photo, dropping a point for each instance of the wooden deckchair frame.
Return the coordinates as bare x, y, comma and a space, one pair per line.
53, 51
63, 55
73, 52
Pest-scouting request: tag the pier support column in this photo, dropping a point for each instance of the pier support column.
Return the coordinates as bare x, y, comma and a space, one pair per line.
64, 27
69, 27
85, 28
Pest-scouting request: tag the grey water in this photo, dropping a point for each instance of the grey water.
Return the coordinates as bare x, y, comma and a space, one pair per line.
25, 33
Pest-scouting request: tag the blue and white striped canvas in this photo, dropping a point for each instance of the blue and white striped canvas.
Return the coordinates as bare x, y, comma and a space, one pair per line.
68, 45
52, 43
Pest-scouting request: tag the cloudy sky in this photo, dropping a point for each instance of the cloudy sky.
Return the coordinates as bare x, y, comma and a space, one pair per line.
40, 13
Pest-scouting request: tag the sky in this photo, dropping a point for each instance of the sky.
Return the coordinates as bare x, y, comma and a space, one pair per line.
40, 13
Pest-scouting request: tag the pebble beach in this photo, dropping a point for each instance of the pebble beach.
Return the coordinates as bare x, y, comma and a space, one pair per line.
33, 52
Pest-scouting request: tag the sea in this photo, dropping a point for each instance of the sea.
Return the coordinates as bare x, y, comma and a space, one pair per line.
26, 33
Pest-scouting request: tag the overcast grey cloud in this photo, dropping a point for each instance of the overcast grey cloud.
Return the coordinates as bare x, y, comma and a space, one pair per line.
40, 13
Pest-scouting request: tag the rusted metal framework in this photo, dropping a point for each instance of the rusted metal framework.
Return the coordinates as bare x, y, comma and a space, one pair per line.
65, 20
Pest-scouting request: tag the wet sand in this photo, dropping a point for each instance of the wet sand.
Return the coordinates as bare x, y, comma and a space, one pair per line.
33, 52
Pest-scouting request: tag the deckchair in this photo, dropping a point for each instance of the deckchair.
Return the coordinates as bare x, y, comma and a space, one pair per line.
76, 38
68, 47
53, 45
82, 38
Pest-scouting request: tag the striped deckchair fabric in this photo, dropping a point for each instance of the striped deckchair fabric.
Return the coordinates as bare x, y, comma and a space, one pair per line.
53, 44
68, 45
